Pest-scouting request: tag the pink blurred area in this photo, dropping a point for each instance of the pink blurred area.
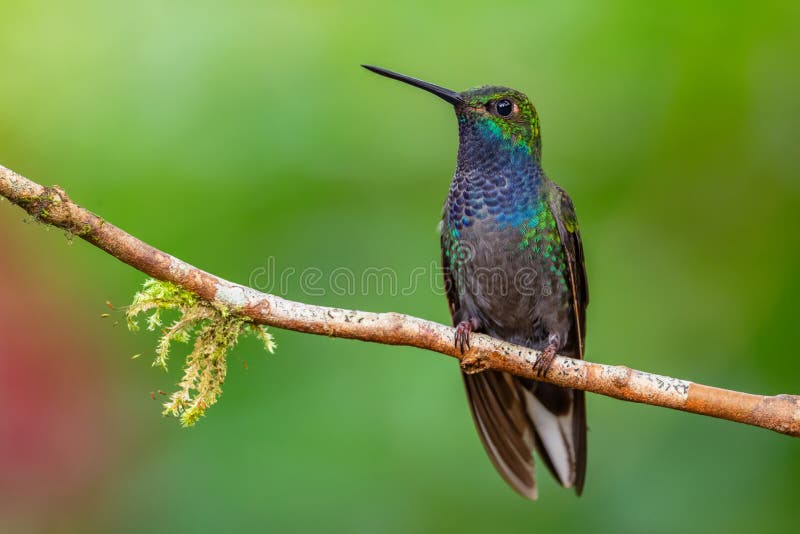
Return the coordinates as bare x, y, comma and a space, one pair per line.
57, 441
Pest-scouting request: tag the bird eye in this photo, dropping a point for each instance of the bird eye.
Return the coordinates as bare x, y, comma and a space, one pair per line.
504, 107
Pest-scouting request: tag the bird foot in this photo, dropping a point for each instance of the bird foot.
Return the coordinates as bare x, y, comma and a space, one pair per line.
542, 364
463, 331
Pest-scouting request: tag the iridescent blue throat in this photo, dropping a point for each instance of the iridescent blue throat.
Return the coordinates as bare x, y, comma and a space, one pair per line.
495, 178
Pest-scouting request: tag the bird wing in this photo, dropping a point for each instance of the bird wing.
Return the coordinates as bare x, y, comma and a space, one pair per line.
567, 223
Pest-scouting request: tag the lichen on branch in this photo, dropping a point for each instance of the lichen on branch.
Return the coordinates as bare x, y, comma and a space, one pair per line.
215, 330
233, 302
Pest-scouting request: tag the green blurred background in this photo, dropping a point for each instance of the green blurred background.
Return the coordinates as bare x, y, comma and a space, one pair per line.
229, 133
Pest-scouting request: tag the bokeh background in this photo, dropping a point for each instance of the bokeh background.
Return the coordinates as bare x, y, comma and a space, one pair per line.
231, 133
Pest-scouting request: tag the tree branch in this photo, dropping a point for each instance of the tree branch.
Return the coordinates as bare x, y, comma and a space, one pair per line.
51, 205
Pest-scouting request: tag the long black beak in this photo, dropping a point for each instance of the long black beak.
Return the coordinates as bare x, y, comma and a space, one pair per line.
445, 94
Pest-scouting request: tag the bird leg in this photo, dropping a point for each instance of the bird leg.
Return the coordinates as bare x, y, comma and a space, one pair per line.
463, 331
542, 364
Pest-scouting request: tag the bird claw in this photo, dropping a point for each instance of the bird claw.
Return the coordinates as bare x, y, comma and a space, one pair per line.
542, 364
461, 339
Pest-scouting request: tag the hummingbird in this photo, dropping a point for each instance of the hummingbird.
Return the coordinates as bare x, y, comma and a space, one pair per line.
513, 267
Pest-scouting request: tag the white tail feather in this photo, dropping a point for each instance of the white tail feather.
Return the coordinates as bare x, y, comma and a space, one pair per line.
556, 435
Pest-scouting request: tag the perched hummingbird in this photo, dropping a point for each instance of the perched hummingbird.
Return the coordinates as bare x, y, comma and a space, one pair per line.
513, 266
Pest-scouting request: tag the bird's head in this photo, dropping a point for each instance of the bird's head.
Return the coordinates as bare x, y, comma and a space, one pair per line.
498, 114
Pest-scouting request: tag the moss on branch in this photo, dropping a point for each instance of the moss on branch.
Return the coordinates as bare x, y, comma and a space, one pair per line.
215, 330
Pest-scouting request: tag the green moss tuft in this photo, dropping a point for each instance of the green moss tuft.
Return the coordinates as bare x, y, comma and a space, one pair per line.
215, 330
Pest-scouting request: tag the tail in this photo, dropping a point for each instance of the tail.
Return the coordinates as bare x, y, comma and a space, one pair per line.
559, 419
514, 415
